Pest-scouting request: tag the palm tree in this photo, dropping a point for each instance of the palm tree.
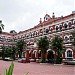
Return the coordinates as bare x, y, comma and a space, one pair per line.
43, 45
1, 27
21, 44
57, 45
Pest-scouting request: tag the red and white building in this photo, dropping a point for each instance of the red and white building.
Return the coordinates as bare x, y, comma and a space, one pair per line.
51, 26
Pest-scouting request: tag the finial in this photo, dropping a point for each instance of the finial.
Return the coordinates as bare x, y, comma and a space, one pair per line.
40, 20
53, 13
53, 16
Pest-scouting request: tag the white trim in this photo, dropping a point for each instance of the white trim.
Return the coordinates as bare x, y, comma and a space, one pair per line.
39, 51
66, 53
29, 51
51, 50
34, 52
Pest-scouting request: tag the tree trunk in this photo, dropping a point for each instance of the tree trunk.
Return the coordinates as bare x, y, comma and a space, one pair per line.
43, 56
20, 54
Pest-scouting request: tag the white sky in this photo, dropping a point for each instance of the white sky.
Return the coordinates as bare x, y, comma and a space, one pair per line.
20, 15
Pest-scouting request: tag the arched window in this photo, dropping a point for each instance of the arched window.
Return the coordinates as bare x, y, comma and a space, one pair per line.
57, 28
69, 54
47, 30
74, 22
69, 24
66, 39
65, 25
71, 38
51, 29
60, 27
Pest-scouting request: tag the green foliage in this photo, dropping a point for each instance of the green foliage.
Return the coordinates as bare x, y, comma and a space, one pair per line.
10, 70
57, 42
43, 44
57, 45
21, 44
9, 52
73, 34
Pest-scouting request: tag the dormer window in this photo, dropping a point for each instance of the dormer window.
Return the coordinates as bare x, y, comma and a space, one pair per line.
47, 17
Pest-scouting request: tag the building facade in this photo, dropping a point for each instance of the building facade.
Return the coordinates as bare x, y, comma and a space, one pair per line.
50, 26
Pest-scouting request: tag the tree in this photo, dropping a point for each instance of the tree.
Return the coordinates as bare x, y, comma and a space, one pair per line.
43, 45
14, 51
1, 27
57, 45
13, 32
73, 34
20, 45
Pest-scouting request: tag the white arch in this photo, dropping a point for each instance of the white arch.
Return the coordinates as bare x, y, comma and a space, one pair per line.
51, 50
65, 23
39, 51
66, 36
34, 52
66, 53
29, 51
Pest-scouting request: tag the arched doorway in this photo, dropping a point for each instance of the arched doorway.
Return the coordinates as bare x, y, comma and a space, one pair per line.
34, 55
50, 57
39, 54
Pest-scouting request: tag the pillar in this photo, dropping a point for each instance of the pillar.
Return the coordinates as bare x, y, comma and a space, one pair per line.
27, 54
73, 54
37, 56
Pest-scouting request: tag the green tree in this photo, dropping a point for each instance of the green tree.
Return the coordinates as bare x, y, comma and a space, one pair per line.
43, 45
21, 44
1, 27
14, 51
9, 52
58, 47
73, 41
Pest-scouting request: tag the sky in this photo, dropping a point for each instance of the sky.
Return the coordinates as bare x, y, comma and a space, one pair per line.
20, 15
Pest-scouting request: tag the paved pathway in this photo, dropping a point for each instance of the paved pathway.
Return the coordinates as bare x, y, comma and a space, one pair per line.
38, 69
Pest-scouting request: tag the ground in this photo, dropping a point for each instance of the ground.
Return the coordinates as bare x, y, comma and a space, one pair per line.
37, 68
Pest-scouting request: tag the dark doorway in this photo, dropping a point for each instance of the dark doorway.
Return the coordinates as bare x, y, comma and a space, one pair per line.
50, 57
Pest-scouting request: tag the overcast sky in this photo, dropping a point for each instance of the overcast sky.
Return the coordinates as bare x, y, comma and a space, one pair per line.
20, 15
